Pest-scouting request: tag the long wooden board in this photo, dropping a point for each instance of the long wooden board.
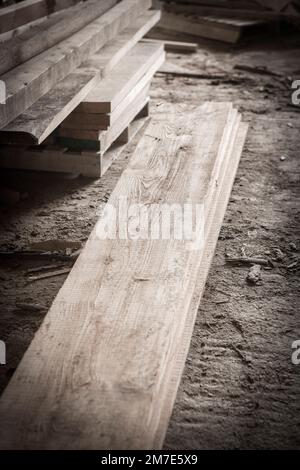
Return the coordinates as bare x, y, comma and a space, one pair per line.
38, 121
101, 140
13, 16
105, 97
54, 30
111, 337
28, 82
58, 159
95, 120
221, 29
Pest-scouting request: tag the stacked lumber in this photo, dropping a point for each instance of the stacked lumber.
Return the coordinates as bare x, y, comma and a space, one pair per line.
103, 370
49, 68
110, 107
253, 9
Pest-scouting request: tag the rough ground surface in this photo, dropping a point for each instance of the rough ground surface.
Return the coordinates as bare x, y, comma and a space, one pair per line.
240, 388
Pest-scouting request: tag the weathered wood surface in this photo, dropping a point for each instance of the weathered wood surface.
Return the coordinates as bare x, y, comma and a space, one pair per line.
30, 81
39, 38
38, 121
110, 92
13, 16
112, 337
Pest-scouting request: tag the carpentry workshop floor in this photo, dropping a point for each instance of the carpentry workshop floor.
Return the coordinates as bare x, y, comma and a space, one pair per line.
240, 389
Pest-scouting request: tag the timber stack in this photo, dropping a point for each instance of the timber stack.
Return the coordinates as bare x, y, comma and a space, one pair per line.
75, 81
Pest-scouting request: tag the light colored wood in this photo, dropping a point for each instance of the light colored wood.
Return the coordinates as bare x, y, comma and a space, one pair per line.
102, 140
54, 30
43, 117
33, 126
111, 337
214, 224
85, 120
110, 54
173, 46
110, 92
56, 159
30, 81
13, 16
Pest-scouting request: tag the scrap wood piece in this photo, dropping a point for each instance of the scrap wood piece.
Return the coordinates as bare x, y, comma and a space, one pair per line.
58, 272
37, 39
127, 339
16, 15
37, 122
30, 81
174, 46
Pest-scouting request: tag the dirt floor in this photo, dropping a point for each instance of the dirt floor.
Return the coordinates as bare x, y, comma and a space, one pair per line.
240, 389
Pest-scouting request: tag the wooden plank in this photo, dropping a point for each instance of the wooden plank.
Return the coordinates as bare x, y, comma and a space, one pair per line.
30, 81
41, 37
43, 117
113, 333
57, 159
110, 92
214, 224
13, 16
33, 126
83, 120
101, 140
221, 29
173, 46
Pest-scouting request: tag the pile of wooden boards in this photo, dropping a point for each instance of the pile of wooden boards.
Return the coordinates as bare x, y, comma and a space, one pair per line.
83, 58
248, 9
103, 370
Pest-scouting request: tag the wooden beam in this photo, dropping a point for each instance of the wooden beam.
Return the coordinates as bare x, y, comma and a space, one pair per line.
30, 81
39, 38
143, 60
38, 121
112, 336
13, 16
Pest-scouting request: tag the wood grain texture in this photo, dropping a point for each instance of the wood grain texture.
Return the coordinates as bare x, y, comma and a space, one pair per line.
58, 159
102, 139
173, 46
30, 81
29, 10
38, 121
106, 96
101, 361
54, 30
